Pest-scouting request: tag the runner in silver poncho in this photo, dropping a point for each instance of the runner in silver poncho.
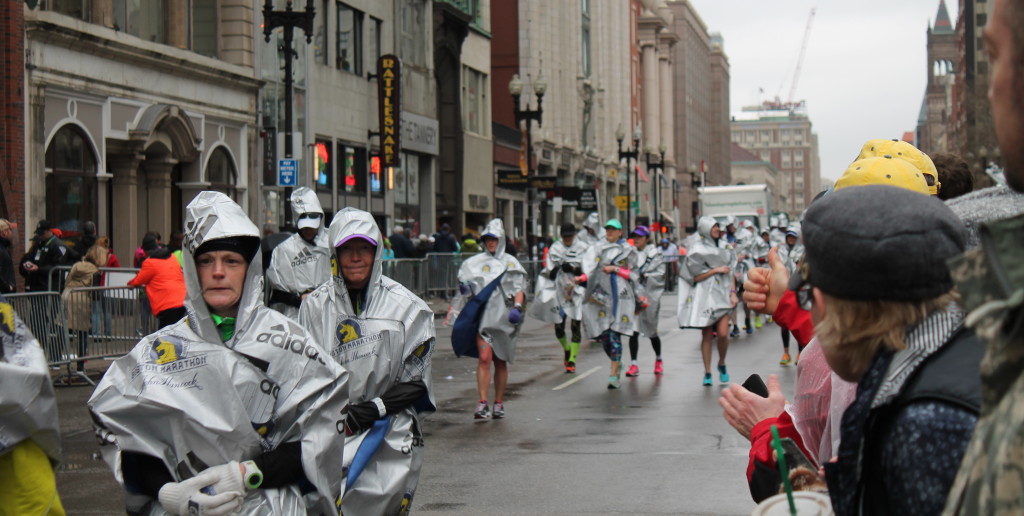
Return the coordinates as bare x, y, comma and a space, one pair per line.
497, 282
233, 382
746, 245
650, 266
557, 296
790, 252
29, 431
593, 231
610, 302
707, 293
303, 261
384, 336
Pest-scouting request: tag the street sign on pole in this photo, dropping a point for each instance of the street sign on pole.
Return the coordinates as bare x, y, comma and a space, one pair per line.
287, 172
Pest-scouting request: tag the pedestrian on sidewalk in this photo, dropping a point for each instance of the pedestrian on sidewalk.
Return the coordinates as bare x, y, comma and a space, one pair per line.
8, 282
165, 285
708, 293
84, 273
232, 410
303, 261
610, 302
650, 266
383, 335
488, 327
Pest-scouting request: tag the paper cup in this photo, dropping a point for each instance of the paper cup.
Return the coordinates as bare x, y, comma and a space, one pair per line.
808, 503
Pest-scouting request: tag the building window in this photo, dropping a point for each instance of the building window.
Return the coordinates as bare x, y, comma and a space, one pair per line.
766, 155
736, 137
474, 101
373, 32
204, 27
320, 34
221, 173
71, 197
750, 136
412, 33
145, 19
322, 173
982, 19
352, 168
785, 135
349, 39
798, 135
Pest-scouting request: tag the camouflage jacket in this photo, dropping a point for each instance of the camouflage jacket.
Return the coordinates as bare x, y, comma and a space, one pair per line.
991, 283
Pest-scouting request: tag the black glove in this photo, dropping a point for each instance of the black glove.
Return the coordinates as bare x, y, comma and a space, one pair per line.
567, 267
552, 274
361, 416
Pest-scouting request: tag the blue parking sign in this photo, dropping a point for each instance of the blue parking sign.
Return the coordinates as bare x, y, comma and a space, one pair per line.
287, 171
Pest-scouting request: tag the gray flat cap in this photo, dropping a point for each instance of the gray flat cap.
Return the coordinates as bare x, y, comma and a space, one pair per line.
881, 242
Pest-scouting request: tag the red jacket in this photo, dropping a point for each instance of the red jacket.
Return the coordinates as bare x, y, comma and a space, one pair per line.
165, 284
790, 316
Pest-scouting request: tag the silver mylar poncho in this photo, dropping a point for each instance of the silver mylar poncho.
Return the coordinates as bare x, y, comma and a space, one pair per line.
479, 271
791, 256
701, 304
609, 302
296, 266
388, 340
28, 405
650, 266
592, 222
184, 396
561, 295
746, 245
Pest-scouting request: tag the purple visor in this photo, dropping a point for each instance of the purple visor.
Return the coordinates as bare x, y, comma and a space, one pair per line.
350, 237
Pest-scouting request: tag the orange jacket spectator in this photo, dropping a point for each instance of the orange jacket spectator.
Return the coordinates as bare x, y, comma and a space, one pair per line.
165, 284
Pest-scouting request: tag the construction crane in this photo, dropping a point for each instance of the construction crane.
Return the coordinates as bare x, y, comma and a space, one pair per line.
790, 102
800, 60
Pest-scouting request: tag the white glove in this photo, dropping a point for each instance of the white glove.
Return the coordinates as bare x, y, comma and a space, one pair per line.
185, 498
228, 480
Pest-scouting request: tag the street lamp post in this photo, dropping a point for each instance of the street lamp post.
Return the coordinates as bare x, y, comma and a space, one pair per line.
515, 87
695, 183
656, 169
631, 153
289, 20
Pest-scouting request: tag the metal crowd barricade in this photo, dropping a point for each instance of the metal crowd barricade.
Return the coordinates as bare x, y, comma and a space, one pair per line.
117, 318
442, 270
410, 272
44, 313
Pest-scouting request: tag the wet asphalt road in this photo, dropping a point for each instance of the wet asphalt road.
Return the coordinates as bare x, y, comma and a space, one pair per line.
568, 444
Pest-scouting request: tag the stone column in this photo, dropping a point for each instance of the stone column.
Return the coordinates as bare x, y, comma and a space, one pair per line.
158, 194
666, 40
177, 25
651, 95
126, 200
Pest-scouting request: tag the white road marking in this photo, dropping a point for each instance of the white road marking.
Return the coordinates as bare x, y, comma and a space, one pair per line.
578, 378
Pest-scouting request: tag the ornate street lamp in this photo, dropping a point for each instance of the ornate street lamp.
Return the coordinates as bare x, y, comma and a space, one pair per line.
631, 153
515, 87
289, 20
656, 169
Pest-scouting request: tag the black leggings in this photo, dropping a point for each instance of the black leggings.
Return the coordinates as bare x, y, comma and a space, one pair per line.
785, 338
634, 345
574, 326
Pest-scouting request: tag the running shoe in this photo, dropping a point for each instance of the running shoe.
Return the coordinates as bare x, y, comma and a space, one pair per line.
797, 361
633, 371
566, 360
658, 368
735, 332
707, 379
613, 382
570, 367
723, 376
757, 322
749, 328
482, 411
499, 410
785, 359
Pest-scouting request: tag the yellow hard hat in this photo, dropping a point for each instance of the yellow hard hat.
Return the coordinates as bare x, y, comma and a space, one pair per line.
884, 170
903, 150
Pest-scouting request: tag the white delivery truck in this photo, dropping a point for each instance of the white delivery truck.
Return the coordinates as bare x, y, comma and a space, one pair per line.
752, 202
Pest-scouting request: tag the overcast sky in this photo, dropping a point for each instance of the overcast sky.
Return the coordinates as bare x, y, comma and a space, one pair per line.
863, 76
